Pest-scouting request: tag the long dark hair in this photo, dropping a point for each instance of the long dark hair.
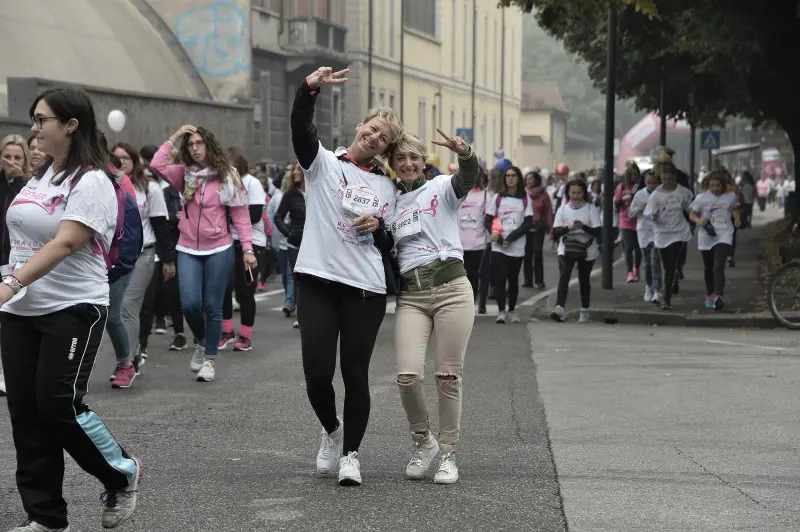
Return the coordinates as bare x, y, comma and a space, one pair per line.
85, 151
138, 178
216, 159
520, 189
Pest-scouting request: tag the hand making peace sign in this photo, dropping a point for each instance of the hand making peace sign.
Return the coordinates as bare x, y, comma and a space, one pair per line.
326, 76
454, 144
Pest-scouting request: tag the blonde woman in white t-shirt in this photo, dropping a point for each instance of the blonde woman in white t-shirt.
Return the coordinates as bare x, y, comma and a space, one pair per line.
435, 296
54, 308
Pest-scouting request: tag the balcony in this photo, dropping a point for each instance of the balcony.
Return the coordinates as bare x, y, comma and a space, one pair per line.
313, 35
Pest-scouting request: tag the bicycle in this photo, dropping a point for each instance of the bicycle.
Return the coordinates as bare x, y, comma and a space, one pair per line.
787, 315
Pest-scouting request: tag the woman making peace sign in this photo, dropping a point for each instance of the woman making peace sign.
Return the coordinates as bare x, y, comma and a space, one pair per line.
435, 295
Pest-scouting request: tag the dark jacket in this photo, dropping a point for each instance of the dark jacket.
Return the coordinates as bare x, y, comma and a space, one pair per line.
293, 203
8, 191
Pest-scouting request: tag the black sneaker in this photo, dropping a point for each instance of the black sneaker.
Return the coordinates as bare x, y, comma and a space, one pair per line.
527, 285
666, 306
161, 327
178, 343
481, 309
539, 286
718, 303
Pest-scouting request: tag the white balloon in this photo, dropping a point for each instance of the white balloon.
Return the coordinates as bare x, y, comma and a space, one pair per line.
116, 120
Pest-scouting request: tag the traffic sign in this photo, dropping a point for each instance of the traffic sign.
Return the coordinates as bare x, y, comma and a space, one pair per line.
465, 133
710, 140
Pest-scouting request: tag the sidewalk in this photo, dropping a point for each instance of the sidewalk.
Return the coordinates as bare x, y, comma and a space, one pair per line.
666, 429
745, 298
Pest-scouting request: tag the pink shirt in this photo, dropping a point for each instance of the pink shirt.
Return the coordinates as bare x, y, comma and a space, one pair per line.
625, 221
470, 220
204, 225
763, 188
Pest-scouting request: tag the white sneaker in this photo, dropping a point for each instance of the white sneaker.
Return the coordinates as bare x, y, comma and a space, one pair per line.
198, 358
448, 471
120, 505
2, 385
330, 449
350, 470
501, 317
33, 526
425, 450
648, 294
657, 298
206, 372
513, 317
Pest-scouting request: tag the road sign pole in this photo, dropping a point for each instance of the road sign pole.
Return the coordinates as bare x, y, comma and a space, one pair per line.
710, 160
608, 177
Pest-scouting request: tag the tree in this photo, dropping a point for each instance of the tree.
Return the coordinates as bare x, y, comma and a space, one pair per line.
734, 57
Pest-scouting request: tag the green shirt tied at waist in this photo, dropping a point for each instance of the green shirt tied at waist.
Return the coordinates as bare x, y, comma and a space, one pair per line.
433, 274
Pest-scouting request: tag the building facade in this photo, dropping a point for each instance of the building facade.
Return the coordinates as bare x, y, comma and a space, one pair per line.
543, 129
423, 65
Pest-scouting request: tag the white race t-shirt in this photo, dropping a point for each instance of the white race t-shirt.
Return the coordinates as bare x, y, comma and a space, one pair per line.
331, 248
668, 211
33, 220
278, 240
255, 196
644, 226
717, 210
512, 213
587, 214
425, 224
151, 205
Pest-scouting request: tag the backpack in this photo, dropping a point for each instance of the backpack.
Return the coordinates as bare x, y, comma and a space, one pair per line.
128, 240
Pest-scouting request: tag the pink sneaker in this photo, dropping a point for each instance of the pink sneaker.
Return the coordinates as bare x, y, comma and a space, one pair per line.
630, 277
227, 338
243, 344
124, 377
636, 275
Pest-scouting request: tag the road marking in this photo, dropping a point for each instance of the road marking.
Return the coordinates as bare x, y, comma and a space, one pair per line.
547, 293
740, 344
261, 296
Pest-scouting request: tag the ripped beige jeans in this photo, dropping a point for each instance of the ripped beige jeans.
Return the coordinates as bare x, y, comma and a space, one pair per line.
449, 311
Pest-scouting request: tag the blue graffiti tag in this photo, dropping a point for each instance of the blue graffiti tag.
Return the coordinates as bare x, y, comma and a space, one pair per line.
216, 38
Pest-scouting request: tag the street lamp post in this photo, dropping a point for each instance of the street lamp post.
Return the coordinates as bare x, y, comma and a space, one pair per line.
608, 177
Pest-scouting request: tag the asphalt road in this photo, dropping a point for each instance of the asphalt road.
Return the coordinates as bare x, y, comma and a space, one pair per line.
238, 454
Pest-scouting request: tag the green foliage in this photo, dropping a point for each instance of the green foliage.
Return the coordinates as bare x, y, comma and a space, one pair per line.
544, 59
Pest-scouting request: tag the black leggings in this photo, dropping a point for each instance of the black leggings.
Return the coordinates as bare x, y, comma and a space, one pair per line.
245, 290
670, 257
565, 266
506, 269
161, 297
714, 268
533, 265
476, 262
633, 254
332, 313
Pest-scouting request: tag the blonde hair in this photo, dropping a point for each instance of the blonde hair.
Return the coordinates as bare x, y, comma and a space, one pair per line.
18, 140
388, 115
408, 143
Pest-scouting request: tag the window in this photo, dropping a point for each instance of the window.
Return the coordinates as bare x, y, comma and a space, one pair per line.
372, 99
452, 132
422, 118
434, 118
382, 98
392, 33
485, 38
391, 100
336, 108
453, 39
420, 15
493, 145
482, 138
494, 50
464, 52
512, 66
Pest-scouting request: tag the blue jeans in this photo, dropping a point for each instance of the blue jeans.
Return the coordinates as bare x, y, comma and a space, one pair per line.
115, 326
204, 277
287, 277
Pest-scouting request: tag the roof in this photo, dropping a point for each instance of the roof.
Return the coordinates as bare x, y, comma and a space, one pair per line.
578, 139
94, 42
542, 95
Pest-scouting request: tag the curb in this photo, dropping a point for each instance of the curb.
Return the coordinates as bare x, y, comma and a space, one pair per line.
748, 320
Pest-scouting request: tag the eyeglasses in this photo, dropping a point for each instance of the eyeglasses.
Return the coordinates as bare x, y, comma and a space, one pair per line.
38, 120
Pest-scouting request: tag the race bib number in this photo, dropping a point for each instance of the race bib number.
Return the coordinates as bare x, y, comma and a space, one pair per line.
720, 218
468, 223
406, 225
509, 223
358, 201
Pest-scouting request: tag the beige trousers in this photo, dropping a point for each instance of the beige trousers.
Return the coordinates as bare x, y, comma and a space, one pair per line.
448, 310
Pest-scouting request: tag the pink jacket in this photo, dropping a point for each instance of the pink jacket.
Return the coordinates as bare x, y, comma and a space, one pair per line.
205, 225
625, 221
763, 187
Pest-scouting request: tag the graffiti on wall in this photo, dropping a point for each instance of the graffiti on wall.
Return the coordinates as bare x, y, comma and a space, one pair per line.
216, 38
